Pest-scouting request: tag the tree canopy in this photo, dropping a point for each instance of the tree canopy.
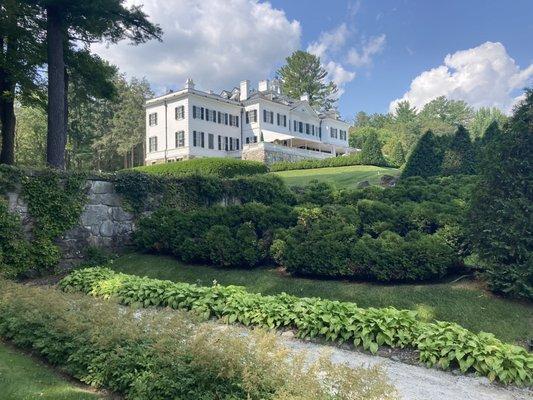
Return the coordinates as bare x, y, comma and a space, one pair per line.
502, 205
303, 74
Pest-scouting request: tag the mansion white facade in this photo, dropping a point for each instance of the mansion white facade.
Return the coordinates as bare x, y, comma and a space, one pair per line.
190, 123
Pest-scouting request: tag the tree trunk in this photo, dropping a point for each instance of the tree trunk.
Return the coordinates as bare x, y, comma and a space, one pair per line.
7, 120
7, 108
56, 139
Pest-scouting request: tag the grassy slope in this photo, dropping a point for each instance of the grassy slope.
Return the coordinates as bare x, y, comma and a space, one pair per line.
342, 177
22, 378
461, 302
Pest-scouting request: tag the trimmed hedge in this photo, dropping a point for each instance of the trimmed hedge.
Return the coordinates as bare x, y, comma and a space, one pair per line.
221, 167
149, 192
237, 236
169, 355
340, 161
440, 344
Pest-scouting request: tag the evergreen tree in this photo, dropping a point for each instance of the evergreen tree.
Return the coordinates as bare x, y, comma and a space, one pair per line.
371, 151
483, 118
499, 220
398, 155
71, 24
459, 157
425, 159
303, 74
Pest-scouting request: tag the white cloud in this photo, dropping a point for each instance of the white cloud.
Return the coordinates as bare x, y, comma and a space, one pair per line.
483, 76
329, 41
327, 47
364, 57
217, 43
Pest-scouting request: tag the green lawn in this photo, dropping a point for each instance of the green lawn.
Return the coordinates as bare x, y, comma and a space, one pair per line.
460, 302
341, 177
23, 378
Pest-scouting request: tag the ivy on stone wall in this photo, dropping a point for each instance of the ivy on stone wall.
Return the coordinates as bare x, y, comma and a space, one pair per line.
55, 201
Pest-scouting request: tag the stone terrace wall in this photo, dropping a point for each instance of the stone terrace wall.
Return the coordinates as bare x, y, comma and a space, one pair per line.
270, 153
103, 223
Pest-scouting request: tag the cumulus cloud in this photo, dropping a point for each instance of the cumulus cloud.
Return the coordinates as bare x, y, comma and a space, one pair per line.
483, 76
328, 46
217, 43
364, 57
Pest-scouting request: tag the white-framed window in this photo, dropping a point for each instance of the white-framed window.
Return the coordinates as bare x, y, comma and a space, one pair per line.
152, 119
180, 139
202, 139
301, 127
180, 112
333, 133
285, 121
268, 116
251, 116
308, 128
194, 138
342, 134
152, 144
211, 141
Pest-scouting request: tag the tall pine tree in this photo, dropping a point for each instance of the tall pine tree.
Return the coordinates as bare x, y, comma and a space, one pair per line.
303, 74
459, 157
397, 155
426, 158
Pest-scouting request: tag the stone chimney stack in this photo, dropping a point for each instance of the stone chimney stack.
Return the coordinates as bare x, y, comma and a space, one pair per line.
189, 84
264, 85
245, 89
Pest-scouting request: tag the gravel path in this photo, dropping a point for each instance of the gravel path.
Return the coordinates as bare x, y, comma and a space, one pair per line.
416, 382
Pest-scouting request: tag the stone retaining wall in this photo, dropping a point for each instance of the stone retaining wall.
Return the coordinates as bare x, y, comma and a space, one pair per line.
103, 223
270, 153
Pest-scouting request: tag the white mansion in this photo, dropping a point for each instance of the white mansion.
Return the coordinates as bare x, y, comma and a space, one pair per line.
263, 125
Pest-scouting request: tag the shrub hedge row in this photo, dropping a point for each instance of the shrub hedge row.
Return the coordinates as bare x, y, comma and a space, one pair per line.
238, 236
169, 355
340, 161
221, 167
149, 192
439, 344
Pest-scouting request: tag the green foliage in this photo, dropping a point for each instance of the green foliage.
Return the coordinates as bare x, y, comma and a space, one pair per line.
220, 167
459, 157
340, 161
148, 192
106, 345
233, 236
397, 156
425, 159
499, 220
15, 251
315, 317
304, 74
411, 232
483, 118
55, 202
371, 152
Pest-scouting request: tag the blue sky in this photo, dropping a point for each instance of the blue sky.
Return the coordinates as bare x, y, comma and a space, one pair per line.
378, 51
419, 34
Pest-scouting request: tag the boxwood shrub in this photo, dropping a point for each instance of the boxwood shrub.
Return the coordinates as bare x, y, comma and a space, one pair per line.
217, 166
238, 236
169, 355
440, 344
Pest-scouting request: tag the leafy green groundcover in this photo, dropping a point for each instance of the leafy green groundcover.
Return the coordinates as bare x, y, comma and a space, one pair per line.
170, 355
443, 344
221, 167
